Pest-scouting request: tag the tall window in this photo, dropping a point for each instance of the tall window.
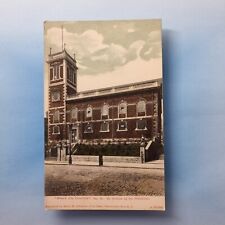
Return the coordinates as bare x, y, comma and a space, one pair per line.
51, 73
122, 109
105, 127
88, 128
141, 125
89, 112
56, 116
141, 108
56, 130
61, 71
122, 126
71, 75
74, 113
56, 72
68, 72
105, 110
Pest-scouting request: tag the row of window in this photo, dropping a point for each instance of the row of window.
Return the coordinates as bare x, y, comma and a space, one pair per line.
121, 126
122, 110
56, 72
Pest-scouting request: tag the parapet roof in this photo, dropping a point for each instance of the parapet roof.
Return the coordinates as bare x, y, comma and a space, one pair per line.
116, 89
60, 55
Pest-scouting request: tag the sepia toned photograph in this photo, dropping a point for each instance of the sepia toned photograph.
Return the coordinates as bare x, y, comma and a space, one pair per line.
103, 115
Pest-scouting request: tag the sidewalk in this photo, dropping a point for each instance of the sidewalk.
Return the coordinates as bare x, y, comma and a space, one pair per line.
157, 164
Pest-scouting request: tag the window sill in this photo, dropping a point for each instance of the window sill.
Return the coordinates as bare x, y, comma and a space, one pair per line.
56, 100
122, 130
56, 79
104, 131
140, 129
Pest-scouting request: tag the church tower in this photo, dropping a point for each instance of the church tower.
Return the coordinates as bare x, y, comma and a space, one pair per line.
62, 76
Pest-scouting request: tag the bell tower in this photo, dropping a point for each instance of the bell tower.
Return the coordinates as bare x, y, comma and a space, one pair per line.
62, 77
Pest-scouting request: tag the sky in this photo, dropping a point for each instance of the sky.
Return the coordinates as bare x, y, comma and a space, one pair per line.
109, 52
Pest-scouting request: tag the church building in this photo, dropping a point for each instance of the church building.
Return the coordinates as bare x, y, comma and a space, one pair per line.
125, 113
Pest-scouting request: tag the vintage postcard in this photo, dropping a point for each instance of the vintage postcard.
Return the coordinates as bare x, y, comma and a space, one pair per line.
103, 115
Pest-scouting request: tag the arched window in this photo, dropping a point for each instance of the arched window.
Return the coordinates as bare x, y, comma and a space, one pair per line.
89, 111
74, 113
141, 107
56, 130
105, 110
88, 128
122, 108
105, 127
56, 116
56, 72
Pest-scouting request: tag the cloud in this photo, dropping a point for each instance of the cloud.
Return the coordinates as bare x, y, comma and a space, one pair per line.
152, 47
154, 36
109, 53
130, 30
112, 57
101, 50
103, 57
134, 49
83, 44
134, 71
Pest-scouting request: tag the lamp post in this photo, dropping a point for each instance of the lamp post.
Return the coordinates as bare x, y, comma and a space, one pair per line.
69, 144
59, 149
142, 150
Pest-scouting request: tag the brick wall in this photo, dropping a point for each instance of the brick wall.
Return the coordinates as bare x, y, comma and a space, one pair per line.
95, 159
113, 118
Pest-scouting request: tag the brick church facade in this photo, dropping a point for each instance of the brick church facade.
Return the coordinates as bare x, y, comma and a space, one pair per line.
124, 113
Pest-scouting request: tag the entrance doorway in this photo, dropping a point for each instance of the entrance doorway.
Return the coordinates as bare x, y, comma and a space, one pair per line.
74, 134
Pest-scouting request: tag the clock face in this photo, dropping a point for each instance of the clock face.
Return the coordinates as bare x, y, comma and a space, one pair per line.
55, 96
